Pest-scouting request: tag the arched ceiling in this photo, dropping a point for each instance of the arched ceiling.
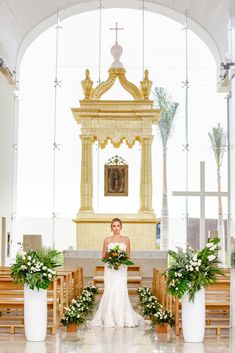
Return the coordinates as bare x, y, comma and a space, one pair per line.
22, 21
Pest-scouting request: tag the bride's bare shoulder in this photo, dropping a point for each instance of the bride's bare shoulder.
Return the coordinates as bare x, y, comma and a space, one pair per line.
107, 239
126, 239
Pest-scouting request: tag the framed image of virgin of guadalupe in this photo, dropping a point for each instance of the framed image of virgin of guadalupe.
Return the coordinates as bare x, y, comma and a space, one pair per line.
116, 177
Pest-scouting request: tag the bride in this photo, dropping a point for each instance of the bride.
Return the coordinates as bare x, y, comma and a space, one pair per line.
115, 309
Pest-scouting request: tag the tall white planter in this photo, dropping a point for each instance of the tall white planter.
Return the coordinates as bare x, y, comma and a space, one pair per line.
193, 317
35, 314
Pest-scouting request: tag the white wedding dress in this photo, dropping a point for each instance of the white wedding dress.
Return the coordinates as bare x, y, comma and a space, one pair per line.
115, 309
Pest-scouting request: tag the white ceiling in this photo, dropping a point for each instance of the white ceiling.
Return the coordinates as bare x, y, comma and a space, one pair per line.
21, 21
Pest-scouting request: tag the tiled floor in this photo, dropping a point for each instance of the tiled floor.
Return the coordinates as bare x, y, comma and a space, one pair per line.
115, 340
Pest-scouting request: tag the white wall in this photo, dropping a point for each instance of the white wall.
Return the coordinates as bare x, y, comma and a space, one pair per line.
7, 128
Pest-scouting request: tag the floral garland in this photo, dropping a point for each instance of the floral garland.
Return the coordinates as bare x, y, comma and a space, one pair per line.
80, 307
151, 307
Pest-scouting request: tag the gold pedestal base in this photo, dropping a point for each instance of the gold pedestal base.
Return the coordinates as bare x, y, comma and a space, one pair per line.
93, 228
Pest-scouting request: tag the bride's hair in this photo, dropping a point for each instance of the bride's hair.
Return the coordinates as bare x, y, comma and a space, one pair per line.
116, 220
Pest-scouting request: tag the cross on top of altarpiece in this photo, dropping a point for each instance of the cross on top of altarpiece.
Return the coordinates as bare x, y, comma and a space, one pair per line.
116, 29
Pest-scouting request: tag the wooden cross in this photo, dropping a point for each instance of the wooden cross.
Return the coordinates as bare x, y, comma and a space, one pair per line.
202, 194
116, 29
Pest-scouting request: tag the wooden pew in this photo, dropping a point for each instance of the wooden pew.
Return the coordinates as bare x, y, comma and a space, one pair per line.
217, 301
134, 278
70, 285
12, 305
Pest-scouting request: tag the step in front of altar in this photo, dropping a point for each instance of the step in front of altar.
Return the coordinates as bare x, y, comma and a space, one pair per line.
89, 259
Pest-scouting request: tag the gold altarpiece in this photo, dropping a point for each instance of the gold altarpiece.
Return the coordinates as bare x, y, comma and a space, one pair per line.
120, 121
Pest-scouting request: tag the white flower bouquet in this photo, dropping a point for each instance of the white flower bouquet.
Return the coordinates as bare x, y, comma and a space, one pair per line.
36, 268
191, 270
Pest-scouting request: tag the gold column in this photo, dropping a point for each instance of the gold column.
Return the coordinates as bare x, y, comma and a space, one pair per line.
86, 187
146, 175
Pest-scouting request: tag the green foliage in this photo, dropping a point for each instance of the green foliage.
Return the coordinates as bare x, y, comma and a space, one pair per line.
81, 307
36, 268
117, 257
191, 270
168, 112
151, 307
162, 317
218, 139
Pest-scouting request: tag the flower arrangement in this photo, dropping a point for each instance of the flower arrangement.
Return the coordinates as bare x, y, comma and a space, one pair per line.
151, 307
148, 302
191, 270
80, 308
117, 257
162, 317
36, 268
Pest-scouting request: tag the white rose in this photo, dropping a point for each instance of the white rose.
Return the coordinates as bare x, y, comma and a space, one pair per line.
195, 257
211, 257
49, 275
29, 257
197, 268
209, 245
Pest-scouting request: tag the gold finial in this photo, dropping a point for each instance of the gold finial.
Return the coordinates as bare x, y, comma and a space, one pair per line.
146, 85
87, 85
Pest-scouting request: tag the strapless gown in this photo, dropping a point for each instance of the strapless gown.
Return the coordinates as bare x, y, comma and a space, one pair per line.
115, 309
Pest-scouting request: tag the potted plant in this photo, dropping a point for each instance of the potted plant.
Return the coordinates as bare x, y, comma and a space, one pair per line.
79, 309
35, 270
189, 273
161, 319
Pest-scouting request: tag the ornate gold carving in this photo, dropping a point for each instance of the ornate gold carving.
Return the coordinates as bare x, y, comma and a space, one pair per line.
104, 86
115, 73
87, 85
116, 140
146, 85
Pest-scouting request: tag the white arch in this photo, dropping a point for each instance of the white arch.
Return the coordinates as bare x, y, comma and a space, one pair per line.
90, 5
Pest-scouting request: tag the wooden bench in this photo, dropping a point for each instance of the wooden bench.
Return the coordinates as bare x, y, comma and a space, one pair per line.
134, 278
70, 285
217, 301
12, 305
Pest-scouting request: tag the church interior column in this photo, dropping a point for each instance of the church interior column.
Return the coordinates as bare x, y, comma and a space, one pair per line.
146, 175
231, 132
86, 187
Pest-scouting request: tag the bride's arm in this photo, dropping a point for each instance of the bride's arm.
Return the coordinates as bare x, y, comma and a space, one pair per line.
104, 252
128, 249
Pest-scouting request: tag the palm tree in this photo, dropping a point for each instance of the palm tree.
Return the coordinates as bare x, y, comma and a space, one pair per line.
218, 138
168, 110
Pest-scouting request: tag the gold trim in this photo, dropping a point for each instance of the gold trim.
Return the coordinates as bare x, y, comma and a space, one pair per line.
115, 73
108, 221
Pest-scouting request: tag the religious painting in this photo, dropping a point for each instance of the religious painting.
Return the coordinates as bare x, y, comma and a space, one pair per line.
116, 180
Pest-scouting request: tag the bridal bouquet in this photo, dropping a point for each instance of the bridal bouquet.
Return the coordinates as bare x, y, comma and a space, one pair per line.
116, 257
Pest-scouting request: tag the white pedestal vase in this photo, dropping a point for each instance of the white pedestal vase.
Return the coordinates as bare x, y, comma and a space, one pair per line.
193, 317
35, 314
